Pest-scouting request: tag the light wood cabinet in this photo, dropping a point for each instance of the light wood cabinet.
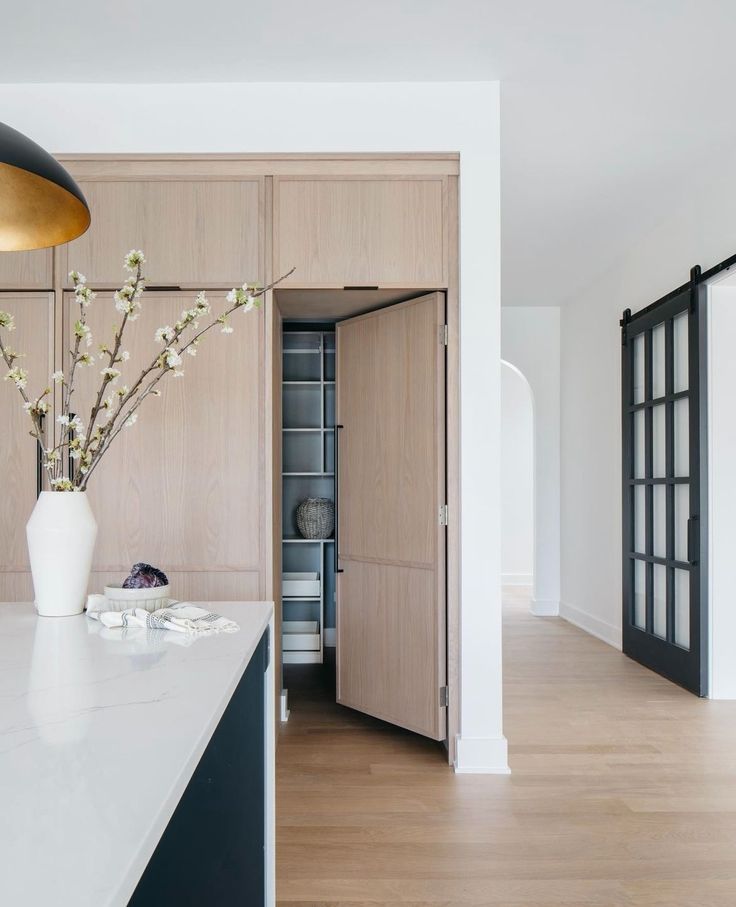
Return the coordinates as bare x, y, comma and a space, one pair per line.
385, 232
18, 450
195, 233
26, 270
184, 487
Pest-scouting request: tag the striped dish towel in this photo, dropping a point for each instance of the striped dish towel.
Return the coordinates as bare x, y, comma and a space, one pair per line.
183, 617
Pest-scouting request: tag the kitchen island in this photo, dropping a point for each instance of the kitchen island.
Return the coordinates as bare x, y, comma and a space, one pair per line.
136, 766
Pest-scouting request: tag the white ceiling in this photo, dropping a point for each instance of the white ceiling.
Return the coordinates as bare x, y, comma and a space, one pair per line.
611, 109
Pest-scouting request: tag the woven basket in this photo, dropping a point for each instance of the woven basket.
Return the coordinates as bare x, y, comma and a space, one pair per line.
315, 518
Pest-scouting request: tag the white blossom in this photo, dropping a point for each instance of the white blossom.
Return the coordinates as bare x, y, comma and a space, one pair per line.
18, 376
85, 359
84, 295
202, 304
173, 359
164, 335
110, 373
38, 407
131, 420
107, 406
77, 279
178, 373
127, 291
61, 485
192, 349
58, 377
124, 356
83, 331
127, 305
7, 321
63, 419
133, 260
226, 328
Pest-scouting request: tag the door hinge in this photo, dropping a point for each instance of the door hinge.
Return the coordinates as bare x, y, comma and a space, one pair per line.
444, 516
444, 334
444, 697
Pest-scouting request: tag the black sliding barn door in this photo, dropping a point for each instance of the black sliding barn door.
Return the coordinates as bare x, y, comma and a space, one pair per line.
664, 487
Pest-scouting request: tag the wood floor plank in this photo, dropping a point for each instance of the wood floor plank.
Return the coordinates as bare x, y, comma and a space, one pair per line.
622, 792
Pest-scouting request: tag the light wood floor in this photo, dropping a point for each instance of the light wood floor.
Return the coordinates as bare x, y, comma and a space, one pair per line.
623, 793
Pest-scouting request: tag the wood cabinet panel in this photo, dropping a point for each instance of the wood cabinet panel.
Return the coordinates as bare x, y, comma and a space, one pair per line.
26, 270
361, 232
18, 452
195, 233
183, 488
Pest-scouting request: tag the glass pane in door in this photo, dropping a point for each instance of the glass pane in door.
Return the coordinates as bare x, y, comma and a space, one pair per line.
658, 377
682, 608
640, 544
639, 444
660, 521
680, 352
638, 376
640, 594
659, 439
682, 439
660, 601
682, 514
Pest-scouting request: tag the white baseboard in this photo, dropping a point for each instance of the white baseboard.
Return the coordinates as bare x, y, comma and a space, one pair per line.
544, 608
723, 691
481, 756
329, 637
517, 579
284, 705
594, 625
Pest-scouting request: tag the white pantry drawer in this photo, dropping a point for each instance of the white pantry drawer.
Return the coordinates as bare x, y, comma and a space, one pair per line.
300, 585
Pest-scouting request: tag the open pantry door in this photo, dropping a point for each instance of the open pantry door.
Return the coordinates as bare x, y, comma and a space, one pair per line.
390, 546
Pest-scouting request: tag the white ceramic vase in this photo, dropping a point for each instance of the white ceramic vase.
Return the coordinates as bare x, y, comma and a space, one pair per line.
61, 537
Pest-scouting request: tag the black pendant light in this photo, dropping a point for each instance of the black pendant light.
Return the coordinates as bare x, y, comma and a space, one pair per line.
40, 204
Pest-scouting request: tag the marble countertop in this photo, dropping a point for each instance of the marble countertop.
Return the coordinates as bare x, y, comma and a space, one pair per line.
100, 733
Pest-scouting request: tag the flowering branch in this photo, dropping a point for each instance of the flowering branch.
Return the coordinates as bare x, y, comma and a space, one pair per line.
88, 446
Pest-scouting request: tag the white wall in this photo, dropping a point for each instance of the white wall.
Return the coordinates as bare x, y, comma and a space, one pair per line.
517, 479
722, 486
356, 117
698, 228
530, 341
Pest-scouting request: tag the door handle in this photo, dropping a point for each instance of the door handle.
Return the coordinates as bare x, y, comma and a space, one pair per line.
338, 428
693, 540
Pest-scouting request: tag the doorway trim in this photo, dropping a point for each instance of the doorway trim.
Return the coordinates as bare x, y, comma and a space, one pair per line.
452, 422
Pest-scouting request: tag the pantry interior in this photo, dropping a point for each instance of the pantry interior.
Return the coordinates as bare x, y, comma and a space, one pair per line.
403, 429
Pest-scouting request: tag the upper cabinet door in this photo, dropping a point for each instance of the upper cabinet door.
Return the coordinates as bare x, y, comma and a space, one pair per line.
183, 487
194, 233
352, 231
26, 270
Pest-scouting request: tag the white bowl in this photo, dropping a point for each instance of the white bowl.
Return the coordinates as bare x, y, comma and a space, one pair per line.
150, 599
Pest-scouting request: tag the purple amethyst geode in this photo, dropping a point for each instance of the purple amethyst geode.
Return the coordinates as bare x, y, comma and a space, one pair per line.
144, 576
